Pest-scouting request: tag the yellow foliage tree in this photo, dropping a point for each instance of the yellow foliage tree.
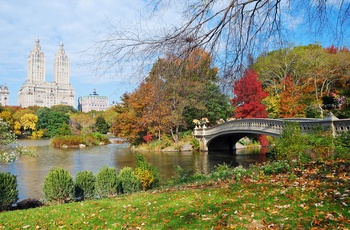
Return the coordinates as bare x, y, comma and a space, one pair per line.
17, 128
28, 122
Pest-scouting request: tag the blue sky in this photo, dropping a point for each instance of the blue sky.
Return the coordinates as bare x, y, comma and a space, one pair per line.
76, 23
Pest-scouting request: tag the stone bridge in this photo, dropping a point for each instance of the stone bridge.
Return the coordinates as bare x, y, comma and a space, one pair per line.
224, 137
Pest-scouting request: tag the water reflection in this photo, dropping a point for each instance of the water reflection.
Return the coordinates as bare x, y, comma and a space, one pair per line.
31, 171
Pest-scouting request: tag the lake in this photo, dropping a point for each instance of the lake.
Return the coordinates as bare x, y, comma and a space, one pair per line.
31, 171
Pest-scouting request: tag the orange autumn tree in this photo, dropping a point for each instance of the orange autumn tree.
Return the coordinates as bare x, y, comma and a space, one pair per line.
291, 105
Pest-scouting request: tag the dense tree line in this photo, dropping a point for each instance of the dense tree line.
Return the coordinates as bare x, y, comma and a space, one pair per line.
301, 81
305, 81
38, 122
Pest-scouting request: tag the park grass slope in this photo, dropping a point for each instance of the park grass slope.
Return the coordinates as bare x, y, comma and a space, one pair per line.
314, 197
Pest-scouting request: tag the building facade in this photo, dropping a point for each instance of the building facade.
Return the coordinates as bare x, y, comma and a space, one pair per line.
4, 95
92, 102
37, 91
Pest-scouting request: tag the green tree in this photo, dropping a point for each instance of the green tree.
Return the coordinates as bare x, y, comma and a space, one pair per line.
101, 125
63, 109
84, 183
55, 122
8, 190
59, 186
216, 106
43, 117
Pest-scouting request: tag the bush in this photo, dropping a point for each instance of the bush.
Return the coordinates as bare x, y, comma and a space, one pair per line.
71, 140
106, 182
8, 190
85, 185
321, 145
222, 171
275, 167
182, 175
292, 145
147, 174
195, 143
239, 172
58, 186
342, 146
128, 182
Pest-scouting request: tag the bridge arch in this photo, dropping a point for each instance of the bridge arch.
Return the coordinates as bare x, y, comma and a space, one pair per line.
227, 141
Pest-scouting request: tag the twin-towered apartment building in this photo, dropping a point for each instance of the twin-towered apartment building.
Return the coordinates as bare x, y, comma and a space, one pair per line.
37, 91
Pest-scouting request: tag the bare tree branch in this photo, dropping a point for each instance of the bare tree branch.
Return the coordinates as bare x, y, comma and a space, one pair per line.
231, 32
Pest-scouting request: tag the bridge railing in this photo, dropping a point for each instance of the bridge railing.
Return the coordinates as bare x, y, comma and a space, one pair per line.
342, 125
275, 126
253, 124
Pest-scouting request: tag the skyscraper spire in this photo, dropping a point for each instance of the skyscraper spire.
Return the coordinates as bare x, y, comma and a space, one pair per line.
61, 66
36, 69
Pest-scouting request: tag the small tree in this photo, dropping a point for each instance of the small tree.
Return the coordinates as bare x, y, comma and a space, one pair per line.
58, 186
106, 182
8, 190
85, 182
128, 182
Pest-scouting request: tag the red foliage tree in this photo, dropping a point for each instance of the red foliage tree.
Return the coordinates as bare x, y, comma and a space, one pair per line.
332, 49
248, 96
148, 138
248, 99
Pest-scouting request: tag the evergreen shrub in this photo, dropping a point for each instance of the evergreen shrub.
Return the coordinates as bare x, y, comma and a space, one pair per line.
106, 182
8, 190
85, 185
128, 182
58, 186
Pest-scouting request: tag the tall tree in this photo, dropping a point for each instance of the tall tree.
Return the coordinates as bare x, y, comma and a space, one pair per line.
126, 123
168, 100
101, 125
290, 100
248, 96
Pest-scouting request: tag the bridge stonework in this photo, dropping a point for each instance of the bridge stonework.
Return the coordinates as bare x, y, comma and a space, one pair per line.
223, 137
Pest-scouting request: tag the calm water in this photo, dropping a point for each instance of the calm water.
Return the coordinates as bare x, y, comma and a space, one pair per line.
31, 171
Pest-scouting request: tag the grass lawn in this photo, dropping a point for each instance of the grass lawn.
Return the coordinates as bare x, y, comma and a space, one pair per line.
311, 198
